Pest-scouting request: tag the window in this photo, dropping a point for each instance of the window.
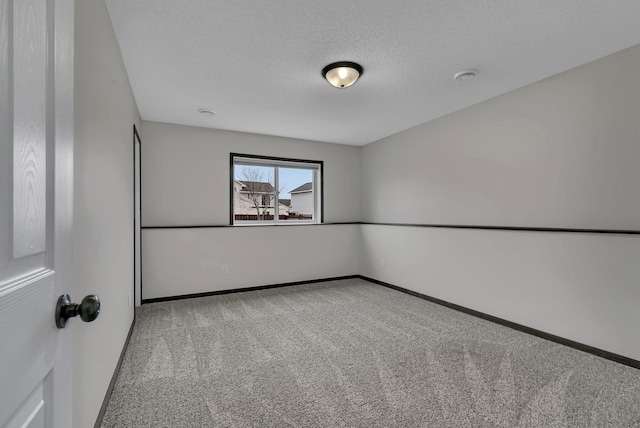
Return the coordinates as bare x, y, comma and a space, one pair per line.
267, 190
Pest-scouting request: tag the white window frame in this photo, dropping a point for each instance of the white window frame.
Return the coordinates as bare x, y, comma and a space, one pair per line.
237, 159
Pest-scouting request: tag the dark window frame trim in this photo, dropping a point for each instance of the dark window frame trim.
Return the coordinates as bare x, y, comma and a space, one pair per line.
232, 156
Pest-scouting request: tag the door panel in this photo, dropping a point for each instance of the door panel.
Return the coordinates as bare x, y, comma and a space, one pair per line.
36, 123
31, 413
29, 126
23, 80
28, 332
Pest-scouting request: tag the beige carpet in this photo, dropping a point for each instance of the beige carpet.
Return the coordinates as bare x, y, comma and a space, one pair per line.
355, 354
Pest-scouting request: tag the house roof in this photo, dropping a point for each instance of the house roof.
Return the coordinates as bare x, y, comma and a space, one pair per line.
286, 202
257, 186
306, 187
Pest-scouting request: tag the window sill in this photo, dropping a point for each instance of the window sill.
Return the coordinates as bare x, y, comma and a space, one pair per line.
280, 223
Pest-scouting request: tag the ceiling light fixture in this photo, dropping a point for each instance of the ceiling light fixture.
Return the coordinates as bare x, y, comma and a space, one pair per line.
342, 74
467, 74
206, 112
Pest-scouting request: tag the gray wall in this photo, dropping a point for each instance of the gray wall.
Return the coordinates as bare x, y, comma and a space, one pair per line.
560, 153
105, 112
187, 261
185, 182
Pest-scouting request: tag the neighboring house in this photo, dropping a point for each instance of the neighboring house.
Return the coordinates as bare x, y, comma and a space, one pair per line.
302, 199
284, 206
246, 192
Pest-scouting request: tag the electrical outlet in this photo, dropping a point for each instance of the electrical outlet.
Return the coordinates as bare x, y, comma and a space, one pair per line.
382, 264
129, 297
224, 269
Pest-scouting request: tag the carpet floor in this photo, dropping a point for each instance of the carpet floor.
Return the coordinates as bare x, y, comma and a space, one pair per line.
351, 353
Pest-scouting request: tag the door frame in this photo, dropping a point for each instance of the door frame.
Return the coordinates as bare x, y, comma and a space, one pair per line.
137, 219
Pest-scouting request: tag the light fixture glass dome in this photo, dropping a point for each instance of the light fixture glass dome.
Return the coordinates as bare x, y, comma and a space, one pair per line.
342, 74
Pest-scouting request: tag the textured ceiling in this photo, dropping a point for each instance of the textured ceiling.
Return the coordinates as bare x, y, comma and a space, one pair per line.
258, 63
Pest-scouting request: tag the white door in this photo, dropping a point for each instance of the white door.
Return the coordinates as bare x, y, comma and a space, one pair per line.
36, 189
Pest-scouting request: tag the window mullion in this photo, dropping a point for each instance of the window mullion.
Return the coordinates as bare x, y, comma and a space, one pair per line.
276, 202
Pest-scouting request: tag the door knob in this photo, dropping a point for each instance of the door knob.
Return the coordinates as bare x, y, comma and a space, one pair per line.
88, 309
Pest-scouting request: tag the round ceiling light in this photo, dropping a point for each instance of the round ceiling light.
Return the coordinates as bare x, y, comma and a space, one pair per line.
342, 74
467, 74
